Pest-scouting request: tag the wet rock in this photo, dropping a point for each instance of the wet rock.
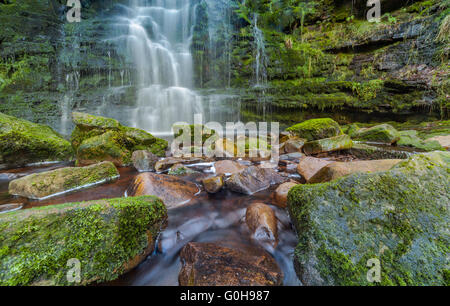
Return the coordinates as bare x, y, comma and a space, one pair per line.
309, 166
98, 138
228, 167
253, 179
51, 183
209, 264
172, 190
316, 129
181, 170
144, 160
444, 141
109, 238
23, 142
296, 156
4, 208
262, 222
337, 143
339, 169
293, 145
410, 139
168, 162
213, 184
384, 133
280, 194
268, 165
399, 217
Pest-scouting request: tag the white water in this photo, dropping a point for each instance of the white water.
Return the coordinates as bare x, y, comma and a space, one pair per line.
260, 54
159, 40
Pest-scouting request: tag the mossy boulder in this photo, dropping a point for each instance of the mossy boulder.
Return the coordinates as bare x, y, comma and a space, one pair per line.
384, 133
23, 142
315, 129
411, 139
51, 183
365, 151
342, 142
108, 238
98, 138
189, 131
399, 217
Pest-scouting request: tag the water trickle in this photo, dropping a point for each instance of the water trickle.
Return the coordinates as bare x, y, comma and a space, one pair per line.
260, 54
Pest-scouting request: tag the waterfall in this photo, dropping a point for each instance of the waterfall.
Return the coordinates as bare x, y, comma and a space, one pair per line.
260, 54
159, 39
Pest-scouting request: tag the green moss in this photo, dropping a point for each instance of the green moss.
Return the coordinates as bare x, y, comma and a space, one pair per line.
23, 142
342, 142
316, 129
398, 216
103, 235
379, 133
410, 139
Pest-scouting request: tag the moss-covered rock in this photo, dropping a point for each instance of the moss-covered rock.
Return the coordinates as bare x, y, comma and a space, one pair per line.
23, 142
342, 142
385, 133
410, 139
399, 217
365, 151
107, 237
51, 183
315, 129
98, 138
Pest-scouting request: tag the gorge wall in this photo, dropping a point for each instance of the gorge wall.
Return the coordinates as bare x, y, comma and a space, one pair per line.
319, 56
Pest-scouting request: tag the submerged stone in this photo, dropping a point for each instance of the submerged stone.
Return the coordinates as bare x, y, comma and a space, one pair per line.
210, 264
51, 183
337, 143
41, 246
172, 190
262, 222
399, 217
23, 142
315, 129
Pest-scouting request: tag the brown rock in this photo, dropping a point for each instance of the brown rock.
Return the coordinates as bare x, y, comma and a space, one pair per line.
209, 264
262, 222
293, 145
228, 167
254, 179
168, 162
339, 169
308, 166
213, 184
172, 190
280, 194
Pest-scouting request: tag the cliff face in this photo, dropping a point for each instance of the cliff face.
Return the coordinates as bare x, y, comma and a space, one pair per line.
318, 56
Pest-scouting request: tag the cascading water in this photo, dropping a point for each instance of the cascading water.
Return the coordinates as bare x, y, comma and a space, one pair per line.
260, 54
159, 39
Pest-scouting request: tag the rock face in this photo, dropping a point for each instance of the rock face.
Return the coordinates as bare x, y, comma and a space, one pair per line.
47, 184
108, 237
316, 129
262, 222
228, 167
144, 160
280, 194
98, 138
23, 142
253, 179
208, 264
337, 143
309, 166
379, 133
339, 169
172, 190
213, 184
399, 217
